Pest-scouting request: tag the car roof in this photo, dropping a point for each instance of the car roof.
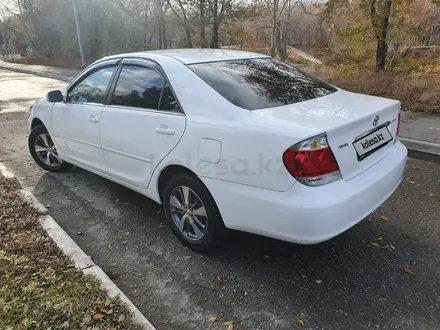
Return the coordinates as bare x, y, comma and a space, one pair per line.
191, 56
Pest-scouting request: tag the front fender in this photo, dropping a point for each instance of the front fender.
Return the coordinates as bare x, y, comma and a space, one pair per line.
42, 110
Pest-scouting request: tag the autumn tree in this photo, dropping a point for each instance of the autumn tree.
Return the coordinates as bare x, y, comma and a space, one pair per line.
379, 12
383, 16
280, 13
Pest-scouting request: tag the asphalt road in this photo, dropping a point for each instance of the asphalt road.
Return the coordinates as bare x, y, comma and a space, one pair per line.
344, 283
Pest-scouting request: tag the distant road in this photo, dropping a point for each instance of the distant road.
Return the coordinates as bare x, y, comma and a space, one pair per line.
55, 72
303, 55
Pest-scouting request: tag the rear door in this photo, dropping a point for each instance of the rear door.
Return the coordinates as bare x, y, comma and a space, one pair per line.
142, 122
75, 122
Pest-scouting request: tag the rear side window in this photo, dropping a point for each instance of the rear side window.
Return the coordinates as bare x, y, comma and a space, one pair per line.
168, 102
260, 83
139, 87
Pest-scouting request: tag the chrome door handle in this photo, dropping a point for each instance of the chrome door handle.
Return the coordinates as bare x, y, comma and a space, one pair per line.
166, 131
93, 120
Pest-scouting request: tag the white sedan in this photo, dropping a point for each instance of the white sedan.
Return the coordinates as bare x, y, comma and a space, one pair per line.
226, 139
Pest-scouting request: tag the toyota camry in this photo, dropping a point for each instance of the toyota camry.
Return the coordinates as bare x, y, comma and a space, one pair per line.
226, 139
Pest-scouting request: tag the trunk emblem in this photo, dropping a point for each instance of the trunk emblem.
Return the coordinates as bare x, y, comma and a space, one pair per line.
375, 120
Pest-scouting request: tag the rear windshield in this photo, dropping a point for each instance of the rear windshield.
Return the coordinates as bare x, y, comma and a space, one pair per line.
261, 83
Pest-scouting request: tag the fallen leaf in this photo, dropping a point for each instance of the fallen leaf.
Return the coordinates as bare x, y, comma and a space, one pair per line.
218, 280
87, 319
98, 316
318, 281
392, 246
213, 318
79, 233
416, 168
411, 182
228, 323
188, 257
384, 218
246, 293
301, 323
379, 239
231, 327
374, 244
408, 270
431, 195
406, 234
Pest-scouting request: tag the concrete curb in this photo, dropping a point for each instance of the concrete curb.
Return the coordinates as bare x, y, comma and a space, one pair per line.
8, 175
72, 250
421, 146
37, 73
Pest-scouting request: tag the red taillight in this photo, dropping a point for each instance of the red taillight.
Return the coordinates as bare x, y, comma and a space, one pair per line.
398, 125
312, 162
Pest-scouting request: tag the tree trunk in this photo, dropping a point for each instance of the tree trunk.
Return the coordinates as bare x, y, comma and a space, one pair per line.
202, 24
188, 36
279, 43
186, 25
380, 20
162, 28
381, 53
159, 36
282, 46
4, 40
153, 31
164, 33
273, 49
215, 26
146, 24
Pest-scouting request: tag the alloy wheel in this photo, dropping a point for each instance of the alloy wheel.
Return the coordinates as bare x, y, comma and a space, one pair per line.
46, 151
188, 213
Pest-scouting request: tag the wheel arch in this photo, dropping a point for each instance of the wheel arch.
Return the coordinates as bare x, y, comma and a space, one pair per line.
175, 169
169, 171
36, 122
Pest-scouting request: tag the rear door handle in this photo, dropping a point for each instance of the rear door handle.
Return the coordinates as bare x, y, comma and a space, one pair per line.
93, 119
166, 131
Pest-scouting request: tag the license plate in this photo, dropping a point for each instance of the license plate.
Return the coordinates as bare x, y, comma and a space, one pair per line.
371, 142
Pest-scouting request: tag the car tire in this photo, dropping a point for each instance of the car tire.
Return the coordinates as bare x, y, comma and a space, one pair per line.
201, 210
43, 151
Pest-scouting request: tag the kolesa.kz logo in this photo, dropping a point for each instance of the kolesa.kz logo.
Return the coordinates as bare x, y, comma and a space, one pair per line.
371, 142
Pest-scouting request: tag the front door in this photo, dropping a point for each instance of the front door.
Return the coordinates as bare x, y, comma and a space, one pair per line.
141, 125
75, 123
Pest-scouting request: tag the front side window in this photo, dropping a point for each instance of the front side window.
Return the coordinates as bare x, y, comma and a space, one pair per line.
93, 88
260, 83
138, 87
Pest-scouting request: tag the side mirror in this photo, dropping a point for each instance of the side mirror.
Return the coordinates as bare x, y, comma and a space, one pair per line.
55, 96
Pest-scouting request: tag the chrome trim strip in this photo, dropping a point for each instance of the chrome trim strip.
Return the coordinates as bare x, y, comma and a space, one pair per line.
145, 160
144, 110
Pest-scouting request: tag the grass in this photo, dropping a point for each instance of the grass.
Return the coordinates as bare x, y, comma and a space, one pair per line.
412, 77
417, 93
39, 287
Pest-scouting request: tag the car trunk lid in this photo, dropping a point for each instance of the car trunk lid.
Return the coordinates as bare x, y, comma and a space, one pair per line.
346, 118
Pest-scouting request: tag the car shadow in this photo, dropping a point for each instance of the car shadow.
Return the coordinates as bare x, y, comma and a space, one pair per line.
346, 282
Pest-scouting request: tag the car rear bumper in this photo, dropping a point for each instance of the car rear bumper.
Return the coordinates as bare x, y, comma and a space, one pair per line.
309, 215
